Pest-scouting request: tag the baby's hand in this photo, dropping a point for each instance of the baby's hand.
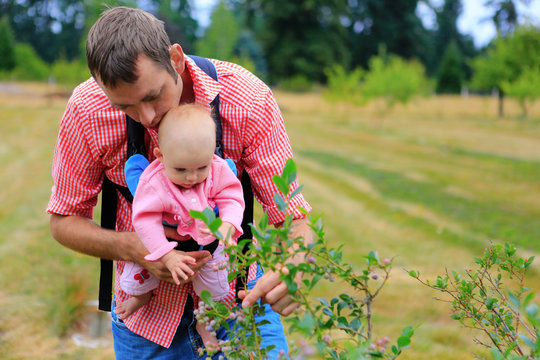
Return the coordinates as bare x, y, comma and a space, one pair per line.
226, 229
179, 265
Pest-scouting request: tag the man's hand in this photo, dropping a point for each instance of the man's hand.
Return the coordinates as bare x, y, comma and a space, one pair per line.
271, 290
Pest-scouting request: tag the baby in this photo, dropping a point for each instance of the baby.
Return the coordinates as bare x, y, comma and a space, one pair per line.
185, 176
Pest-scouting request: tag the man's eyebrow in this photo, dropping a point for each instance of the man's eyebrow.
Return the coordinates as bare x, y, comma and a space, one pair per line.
152, 94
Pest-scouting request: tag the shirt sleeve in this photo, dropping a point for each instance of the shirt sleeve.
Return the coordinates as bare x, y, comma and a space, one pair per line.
148, 221
77, 174
268, 148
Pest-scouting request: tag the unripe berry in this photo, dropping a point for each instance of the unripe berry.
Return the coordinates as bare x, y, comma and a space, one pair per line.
374, 276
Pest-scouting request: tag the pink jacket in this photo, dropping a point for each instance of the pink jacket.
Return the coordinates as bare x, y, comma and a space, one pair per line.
158, 199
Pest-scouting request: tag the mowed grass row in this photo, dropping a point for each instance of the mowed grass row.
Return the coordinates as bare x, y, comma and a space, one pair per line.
43, 285
428, 184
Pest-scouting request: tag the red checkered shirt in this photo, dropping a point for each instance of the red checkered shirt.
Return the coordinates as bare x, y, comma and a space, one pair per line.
92, 142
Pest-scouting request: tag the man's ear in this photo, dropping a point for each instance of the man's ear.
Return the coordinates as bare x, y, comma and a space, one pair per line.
158, 154
178, 60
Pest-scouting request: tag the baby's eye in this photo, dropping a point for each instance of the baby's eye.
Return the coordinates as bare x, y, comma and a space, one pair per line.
180, 169
202, 168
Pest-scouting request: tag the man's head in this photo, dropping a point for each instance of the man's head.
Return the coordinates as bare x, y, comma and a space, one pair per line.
187, 139
118, 38
131, 58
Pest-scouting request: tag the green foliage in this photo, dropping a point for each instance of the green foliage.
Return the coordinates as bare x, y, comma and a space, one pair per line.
394, 79
507, 59
450, 75
7, 46
221, 36
336, 328
302, 37
389, 78
29, 65
296, 83
525, 88
70, 73
494, 300
343, 86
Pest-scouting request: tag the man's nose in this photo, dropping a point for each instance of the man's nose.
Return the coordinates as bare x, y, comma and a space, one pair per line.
146, 114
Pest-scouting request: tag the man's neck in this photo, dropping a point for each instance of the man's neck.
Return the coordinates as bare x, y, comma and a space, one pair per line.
188, 95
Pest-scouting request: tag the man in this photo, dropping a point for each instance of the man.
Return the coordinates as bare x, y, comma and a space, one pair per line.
136, 71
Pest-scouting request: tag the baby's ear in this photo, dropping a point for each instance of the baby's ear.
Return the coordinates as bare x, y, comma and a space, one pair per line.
158, 154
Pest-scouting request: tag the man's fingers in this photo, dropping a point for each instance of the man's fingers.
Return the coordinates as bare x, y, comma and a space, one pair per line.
266, 283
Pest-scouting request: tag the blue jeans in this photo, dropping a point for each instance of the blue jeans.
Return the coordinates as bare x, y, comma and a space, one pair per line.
128, 345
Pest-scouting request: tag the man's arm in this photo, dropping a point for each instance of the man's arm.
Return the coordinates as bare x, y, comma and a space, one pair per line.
269, 288
85, 236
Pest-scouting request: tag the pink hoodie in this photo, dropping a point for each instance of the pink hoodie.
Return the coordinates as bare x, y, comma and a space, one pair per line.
158, 199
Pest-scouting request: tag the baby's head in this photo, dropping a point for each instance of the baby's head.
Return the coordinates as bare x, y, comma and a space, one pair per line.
187, 139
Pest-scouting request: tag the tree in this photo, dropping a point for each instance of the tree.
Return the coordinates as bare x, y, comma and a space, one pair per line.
450, 75
524, 89
7, 46
447, 32
58, 24
392, 23
505, 17
303, 37
221, 36
506, 60
179, 23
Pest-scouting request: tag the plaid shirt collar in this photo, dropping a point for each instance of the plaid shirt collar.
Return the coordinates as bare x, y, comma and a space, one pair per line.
205, 88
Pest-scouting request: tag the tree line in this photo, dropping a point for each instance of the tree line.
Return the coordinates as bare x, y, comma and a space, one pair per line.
292, 43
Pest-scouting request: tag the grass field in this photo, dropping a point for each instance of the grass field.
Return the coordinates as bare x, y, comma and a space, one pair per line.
429, 183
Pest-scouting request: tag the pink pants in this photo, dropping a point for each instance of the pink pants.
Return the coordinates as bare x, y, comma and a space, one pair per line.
136, 280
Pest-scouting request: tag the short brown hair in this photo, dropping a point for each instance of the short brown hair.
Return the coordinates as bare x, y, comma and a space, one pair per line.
117, 39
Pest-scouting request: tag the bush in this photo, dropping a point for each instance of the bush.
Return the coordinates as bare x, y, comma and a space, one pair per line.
394, 79
297, 83
70, 73
389, 77
29, 65
525, 89
343, 86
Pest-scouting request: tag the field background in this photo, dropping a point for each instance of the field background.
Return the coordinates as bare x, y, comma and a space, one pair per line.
429, 183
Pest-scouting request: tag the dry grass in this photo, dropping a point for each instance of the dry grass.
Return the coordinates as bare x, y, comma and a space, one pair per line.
428, 183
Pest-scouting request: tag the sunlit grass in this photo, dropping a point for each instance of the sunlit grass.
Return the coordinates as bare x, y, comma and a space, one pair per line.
429, 184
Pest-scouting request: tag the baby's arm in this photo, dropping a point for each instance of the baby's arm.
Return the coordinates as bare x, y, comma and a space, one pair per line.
179, 265
227, 230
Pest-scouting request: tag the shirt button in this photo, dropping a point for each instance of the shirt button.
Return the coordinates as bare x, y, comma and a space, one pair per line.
187, 191
193, 200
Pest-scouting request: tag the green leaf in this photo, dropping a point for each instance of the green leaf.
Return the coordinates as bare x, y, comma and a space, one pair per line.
289, 172
496, 354
532, 310
414, 274
281, 184
296, 191
403, 341
282, 206
207, 297
527, 341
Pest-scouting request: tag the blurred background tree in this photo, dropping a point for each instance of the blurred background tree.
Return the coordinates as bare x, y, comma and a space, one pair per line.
289, 43
7, 45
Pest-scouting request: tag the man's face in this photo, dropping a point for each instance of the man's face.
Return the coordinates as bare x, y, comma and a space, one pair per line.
150, 97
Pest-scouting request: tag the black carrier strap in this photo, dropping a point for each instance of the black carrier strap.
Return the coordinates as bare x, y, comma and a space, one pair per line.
136, 145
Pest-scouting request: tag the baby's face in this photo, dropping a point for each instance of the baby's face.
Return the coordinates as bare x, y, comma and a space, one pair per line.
187, 169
